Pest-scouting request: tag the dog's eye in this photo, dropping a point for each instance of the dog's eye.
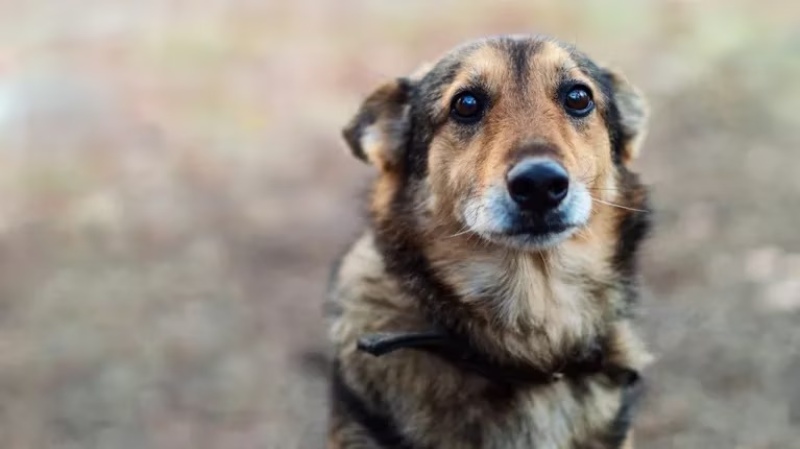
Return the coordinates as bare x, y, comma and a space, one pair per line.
578, 101
467, 107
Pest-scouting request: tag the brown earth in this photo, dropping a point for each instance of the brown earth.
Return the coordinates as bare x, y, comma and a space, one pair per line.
173, 189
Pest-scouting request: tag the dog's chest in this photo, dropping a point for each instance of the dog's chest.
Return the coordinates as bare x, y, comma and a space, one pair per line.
550, 307
557, 416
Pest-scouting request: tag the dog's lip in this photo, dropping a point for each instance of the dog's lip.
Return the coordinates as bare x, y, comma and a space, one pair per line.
528, 238
537, 231
540, 237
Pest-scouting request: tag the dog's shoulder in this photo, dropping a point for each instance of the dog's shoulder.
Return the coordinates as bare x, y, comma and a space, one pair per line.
363, 297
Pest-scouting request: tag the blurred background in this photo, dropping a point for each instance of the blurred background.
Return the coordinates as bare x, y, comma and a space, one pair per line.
173, 189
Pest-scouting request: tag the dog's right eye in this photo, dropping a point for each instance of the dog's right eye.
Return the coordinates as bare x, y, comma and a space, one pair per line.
467, 107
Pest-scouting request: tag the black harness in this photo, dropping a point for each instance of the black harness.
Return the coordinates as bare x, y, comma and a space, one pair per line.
460, 352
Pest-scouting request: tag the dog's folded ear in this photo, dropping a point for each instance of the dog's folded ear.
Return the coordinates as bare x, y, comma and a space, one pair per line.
379, 131
632, 114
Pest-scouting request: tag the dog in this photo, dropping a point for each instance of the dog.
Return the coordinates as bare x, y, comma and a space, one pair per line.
489, 302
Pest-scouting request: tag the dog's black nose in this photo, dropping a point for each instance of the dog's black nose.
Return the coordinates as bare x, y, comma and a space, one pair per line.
538, 185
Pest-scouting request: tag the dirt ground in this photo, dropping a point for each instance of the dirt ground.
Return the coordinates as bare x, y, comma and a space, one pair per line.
173, 190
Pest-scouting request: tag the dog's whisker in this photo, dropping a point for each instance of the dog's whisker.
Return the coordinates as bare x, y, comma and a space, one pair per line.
463, 231
587, 181
587, 231
619, 206
545, 266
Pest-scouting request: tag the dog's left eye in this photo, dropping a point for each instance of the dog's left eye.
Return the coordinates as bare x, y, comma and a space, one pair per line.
578, 101
467, 107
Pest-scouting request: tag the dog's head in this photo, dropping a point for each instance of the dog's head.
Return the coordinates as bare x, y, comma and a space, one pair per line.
518, 140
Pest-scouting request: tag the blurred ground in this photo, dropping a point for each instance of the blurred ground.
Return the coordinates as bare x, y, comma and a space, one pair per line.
173, 188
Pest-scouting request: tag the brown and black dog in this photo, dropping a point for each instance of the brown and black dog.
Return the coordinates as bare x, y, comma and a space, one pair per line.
489, 303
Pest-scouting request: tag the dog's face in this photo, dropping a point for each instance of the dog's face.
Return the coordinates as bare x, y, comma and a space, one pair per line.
514, 139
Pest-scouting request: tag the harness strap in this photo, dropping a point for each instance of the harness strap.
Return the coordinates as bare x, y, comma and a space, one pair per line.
464, 355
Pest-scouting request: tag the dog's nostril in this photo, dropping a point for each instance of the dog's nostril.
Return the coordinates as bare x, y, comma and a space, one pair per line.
538, 185
521, 188
558, 188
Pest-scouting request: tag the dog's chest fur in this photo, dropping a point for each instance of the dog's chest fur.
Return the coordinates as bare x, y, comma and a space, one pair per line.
564, 414
438, 405
537, 306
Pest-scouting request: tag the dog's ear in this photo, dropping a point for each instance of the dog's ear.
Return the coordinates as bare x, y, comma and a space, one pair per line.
632, 115
380, 130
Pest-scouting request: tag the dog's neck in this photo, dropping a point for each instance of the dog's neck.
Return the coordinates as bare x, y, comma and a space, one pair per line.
539, 308
540, 305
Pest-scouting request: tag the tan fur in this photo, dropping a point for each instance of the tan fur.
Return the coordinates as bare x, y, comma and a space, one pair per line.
628, 444
524, 306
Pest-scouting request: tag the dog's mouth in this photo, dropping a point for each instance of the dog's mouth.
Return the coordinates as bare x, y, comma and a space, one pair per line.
538, 226
498, 220
536, 237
